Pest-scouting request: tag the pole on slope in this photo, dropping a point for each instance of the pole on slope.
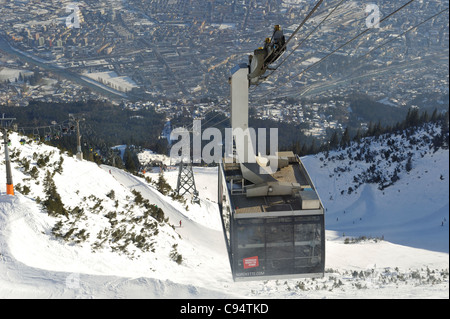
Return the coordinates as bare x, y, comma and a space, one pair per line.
79, 152
77, 120
9, 182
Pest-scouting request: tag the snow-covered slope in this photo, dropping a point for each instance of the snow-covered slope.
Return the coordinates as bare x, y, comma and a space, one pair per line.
96, 251
394, 186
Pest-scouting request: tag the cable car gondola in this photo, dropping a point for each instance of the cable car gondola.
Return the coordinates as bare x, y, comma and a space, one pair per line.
272, 216
48, 134
263, 57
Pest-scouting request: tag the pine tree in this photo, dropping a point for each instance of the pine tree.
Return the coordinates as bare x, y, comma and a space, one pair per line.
358, 136
313, 149
334, 141
304, 150
370, 130
345, 140
161, 185
424, 118
434, 116
53, 202
412, 118
128, 159
378, 129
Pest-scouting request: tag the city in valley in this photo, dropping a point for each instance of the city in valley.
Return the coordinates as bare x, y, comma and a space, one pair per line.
176, 55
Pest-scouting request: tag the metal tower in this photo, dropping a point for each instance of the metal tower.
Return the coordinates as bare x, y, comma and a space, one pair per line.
77, 120
186, 182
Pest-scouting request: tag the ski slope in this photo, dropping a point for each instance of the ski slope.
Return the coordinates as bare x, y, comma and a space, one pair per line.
411, 262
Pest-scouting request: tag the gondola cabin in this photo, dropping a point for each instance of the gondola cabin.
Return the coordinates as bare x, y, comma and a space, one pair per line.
276, 231
273, 220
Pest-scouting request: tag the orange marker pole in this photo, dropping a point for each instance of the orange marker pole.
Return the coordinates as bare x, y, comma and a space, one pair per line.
9, 182
10, 189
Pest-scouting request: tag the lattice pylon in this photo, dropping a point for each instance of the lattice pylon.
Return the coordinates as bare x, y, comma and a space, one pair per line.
186, 182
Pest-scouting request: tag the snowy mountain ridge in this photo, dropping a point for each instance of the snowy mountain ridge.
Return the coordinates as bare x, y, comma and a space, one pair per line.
382, 159
381, 180
118, 237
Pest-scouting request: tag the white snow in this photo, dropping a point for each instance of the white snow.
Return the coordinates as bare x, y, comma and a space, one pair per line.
411, 262
148, 156
13, 74
113, 80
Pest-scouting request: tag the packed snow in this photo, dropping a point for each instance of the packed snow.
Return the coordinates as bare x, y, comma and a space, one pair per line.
381, 243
